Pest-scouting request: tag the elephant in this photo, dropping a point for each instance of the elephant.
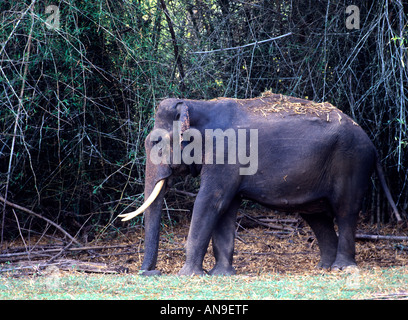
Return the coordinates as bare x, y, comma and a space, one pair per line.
308, 157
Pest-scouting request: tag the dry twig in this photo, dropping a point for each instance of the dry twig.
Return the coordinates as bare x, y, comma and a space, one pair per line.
16, 206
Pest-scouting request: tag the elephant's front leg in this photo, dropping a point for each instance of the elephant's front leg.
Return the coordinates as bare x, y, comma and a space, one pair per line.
223, 240
211, 203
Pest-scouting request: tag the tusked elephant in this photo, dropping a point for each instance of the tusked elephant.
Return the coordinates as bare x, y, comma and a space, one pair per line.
291, 155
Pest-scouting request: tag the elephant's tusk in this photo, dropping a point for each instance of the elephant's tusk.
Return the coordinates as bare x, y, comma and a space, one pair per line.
146, 204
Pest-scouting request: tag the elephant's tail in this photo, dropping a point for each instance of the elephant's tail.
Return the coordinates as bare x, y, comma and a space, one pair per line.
387, 192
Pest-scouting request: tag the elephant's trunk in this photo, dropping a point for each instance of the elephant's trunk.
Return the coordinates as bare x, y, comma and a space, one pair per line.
152, 221
154, 190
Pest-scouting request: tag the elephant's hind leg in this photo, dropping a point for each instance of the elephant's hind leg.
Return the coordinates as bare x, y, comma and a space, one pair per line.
347, 223
323, 227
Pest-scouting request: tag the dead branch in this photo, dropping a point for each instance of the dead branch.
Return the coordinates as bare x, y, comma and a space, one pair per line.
35, 254
62, 264
184, 193
246, 45
274, 220
380, 237
267, 224
16, 206
403, 295
41, 252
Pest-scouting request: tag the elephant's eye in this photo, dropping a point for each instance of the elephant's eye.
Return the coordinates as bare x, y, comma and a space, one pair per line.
177, 117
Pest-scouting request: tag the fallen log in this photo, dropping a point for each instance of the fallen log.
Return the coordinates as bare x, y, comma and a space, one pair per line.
44, 252
380, 237
30, 267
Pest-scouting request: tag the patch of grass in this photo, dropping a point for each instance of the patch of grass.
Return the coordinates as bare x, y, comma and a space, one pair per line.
361, 284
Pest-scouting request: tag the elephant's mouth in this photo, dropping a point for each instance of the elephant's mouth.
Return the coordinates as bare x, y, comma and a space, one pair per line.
157, 188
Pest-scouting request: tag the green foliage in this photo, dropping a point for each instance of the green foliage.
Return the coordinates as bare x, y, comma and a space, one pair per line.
77, 101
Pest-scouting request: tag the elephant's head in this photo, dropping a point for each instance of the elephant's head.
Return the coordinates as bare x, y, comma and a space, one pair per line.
161, 145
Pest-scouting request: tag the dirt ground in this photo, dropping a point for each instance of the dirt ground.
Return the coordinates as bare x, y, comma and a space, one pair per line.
259, 249
275, 243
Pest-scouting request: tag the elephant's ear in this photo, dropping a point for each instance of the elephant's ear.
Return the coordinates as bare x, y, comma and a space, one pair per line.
184, 117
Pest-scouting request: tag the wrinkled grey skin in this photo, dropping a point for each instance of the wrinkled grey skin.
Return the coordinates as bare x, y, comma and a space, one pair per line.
319, 166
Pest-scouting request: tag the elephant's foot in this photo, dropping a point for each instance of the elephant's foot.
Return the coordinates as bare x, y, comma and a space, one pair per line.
149, 273
343, 264
351, 268
191, 271
222, 271
325, 263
